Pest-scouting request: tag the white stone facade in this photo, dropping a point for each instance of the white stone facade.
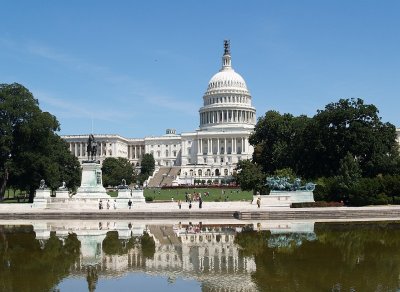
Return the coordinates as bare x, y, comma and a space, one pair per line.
211, 152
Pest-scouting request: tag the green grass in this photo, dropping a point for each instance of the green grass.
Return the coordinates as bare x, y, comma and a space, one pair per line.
10, 196
215, 194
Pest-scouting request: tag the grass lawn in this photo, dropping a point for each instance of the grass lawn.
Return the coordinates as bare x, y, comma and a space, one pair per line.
11, 196
216, 195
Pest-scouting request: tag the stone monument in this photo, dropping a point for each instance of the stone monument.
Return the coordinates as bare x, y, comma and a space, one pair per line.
125, 194
291, 190
42, 195
92, 181
62, 191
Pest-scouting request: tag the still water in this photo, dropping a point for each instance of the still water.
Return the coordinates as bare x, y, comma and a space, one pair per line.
199, 256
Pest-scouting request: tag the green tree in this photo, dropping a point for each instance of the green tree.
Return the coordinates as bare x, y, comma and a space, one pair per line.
349, 174
250, 176
314, 147
350, 126
278, 141
116, 169
30, 148
147, 167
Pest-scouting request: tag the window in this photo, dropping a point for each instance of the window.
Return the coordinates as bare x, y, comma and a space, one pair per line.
166, 153
174, 153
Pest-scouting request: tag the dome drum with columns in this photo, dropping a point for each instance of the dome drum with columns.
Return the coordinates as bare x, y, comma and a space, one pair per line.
227, 101
227, 118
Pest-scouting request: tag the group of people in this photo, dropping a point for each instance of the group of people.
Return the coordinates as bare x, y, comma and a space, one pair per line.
108, 204
189, 198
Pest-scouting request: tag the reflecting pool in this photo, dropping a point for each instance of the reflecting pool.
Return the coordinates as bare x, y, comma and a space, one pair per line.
199, 256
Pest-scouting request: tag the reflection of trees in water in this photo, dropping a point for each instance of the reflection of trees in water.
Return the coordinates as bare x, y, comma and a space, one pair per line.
112, 245
343, 257
25, 266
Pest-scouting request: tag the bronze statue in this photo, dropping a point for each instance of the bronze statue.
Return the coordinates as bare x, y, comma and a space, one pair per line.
91, 148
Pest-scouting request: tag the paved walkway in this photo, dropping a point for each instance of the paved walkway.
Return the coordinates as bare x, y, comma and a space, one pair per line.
239, 210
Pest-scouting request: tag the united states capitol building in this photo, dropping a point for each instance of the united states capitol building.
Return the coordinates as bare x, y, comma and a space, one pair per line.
211, 152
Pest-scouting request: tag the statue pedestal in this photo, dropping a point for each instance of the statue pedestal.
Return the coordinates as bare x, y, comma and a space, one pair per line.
92, 182
137, 196
124, 195
62, 194
42, 197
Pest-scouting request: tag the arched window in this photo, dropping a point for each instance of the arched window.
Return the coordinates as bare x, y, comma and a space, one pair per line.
225, 171
200, 172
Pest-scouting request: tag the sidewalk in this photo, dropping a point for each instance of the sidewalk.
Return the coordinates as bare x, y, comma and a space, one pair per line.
215, 210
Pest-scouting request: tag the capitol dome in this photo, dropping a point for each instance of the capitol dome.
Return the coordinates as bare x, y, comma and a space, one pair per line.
227, 79
227, 101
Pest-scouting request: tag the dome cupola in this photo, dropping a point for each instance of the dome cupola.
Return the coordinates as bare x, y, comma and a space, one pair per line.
227, 101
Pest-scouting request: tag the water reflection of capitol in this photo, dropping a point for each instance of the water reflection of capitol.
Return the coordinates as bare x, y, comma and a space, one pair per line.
202, 251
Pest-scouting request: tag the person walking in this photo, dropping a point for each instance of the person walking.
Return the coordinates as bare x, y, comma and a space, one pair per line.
108, 204
100, 204
129, 204
115, 204
179, 204
258, 202
200, 202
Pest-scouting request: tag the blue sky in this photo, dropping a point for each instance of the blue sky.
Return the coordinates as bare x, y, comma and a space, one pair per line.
139, 67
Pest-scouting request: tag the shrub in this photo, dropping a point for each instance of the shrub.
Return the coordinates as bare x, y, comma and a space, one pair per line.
148, 199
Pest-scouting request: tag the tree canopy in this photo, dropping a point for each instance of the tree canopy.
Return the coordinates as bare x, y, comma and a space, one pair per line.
314, 147
249, 176
30, 148
116, 169
147, 167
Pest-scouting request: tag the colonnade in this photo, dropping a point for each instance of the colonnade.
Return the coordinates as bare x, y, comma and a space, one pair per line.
207, 146
135, 151
227, 99
227, 116
79, 149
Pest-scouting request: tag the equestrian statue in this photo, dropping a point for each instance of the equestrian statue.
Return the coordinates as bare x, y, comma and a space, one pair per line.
91, 148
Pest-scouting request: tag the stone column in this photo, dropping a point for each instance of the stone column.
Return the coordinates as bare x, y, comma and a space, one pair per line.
218, 147
225, 150
198, 146
234, 146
